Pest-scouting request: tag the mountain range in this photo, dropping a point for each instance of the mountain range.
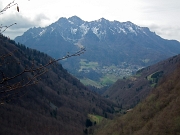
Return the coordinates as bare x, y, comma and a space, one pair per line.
113, 49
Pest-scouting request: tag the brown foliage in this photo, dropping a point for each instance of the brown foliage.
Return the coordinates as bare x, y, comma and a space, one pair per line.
158, 114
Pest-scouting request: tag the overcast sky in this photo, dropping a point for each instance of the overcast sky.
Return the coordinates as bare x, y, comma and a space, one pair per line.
161, 16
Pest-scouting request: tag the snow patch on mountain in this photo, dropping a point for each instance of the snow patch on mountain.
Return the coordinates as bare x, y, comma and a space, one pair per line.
73, 31
70, 22
52, 29
112, 30
99, 33
132, 30
102, 34
42, 32
95, 30
84, 29
119, 30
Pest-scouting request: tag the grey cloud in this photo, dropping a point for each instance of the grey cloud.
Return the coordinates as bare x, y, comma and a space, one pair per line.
1, 7
168, 31
23, 23
40, 18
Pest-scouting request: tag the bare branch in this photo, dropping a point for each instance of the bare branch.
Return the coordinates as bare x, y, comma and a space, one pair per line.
11, 4
5, 79
6, 86
4, 28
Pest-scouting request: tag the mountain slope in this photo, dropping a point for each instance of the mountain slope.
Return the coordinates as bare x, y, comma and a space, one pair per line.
118, 49
57, 104
158, 114
130, 91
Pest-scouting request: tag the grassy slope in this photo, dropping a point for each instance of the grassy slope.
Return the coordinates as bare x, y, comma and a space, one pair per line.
106, 80
96, 118
158, 114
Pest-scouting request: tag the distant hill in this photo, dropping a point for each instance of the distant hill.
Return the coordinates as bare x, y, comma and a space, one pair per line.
129, 91
57, 104
158, 114
114, 49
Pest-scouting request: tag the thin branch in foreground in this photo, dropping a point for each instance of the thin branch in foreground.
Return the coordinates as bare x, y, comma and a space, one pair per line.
11, 4
81, 51
4, 28
9, 85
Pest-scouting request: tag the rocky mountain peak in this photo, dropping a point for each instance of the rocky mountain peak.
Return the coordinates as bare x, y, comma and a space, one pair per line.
62, 21
75, 20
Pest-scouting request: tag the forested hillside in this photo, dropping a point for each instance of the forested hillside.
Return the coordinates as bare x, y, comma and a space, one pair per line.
57, 103
158, 114
128, 92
